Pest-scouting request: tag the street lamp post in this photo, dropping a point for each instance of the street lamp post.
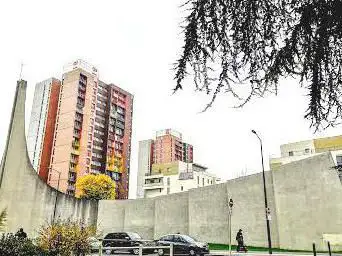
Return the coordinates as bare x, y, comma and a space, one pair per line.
267, 210
230, 205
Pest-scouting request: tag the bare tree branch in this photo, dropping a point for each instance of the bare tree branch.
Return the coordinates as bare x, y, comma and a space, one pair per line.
257, 42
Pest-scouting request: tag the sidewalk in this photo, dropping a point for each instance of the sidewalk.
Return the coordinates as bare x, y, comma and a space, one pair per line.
254, 253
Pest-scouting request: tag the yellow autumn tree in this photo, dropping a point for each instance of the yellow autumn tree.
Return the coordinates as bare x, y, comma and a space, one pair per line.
96, 187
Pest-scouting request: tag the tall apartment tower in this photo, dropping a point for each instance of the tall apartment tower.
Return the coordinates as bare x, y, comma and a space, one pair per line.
42, 125
92, 132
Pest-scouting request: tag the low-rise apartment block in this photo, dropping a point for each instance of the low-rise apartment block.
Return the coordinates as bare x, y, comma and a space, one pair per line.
303, 149
165, 166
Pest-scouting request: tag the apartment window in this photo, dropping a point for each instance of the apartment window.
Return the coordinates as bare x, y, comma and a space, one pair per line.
181, 188
202, 181
208, 181
307, 151
197, 180
168, 190
168, 181
290, 153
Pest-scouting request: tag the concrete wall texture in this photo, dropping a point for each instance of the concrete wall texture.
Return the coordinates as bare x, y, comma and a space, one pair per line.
304, 198
29, 200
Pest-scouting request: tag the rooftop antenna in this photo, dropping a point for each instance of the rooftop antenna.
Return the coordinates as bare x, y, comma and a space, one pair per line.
21, 70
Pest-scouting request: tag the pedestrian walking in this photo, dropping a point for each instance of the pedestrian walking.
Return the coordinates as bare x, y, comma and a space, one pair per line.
241, 245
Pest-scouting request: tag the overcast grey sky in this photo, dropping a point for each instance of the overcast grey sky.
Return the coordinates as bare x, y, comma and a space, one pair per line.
133, 44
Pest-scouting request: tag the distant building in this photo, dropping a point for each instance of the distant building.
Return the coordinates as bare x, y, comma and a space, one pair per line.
42, 125
299, 150
145, 161
165, 166
169, 147
92, 131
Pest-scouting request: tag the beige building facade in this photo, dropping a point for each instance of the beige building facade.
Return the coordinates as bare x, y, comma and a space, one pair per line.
303, 149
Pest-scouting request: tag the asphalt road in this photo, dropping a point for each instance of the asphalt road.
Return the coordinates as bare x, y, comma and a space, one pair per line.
226, 253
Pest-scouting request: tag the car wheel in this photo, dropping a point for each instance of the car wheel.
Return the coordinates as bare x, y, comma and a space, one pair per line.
192, 252
135, 251
108, 251
160, 252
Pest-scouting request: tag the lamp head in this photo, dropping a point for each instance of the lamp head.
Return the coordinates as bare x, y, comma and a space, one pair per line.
231, 203
253, 131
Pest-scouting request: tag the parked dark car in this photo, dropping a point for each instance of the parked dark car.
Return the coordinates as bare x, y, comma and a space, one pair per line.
182, 245
125, 239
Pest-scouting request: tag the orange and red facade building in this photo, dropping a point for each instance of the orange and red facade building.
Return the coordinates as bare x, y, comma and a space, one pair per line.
92, 132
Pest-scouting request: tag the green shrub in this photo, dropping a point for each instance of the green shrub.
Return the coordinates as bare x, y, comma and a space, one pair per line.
11, 245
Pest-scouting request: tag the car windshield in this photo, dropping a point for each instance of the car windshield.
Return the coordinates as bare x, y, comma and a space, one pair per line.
134, 236
189, 239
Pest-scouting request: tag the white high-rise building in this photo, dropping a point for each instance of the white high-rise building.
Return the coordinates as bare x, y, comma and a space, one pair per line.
144, 164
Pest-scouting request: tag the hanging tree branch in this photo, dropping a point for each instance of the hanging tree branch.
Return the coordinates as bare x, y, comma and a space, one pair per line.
257, 42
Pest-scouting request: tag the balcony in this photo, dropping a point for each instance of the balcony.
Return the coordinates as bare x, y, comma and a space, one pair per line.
82, 88
72, 179
75, 151
71, 188
100, 110
99, 124
119, 125
98, 147
83, 80
96, 163
99, 156
78, 127
113, 114
74, 160
119, 132
120, 118
101, 97
79, 109
77, 135
81, 95
78, 118
111, 167
100, 119
94, 171
76, 144
154, 185
102, 92
119, 139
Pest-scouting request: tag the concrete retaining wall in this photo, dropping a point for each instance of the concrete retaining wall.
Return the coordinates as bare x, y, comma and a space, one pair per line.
308, 202
304, 198
29, 200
